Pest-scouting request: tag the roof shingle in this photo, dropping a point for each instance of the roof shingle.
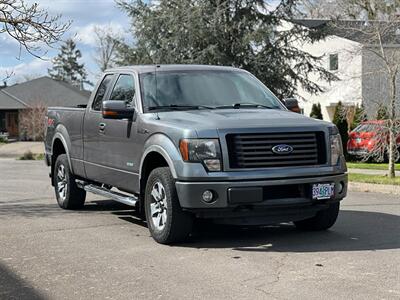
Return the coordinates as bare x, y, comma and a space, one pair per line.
42, 90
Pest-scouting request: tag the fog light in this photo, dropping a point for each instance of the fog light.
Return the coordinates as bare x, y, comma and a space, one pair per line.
340, 187
208, 196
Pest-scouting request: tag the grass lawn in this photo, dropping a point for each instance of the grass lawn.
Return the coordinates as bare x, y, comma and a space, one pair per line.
379, 179
372, 166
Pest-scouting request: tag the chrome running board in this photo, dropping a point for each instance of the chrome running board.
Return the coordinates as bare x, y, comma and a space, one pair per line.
130, 200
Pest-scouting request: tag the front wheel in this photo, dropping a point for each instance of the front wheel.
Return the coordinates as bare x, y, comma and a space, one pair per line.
166, 220
324, 219
69, 196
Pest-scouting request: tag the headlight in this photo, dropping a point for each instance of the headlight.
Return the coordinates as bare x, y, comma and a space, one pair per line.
206, 151
336, 148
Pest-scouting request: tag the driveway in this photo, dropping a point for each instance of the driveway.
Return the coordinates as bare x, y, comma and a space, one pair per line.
105, 251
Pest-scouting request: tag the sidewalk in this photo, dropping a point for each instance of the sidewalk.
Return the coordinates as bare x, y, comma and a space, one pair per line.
371, 172
17, 149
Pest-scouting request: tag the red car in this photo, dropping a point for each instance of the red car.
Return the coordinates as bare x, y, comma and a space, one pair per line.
366, 137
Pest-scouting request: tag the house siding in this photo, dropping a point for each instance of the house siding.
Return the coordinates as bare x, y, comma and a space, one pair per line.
348, 89
375, 87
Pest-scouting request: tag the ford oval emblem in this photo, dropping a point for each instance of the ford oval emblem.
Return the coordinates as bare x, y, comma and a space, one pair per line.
282, 149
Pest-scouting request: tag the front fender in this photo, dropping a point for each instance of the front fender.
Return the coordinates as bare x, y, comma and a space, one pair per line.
180, 170
161, 144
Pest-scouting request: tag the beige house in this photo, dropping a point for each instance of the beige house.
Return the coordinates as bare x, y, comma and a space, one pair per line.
21, 97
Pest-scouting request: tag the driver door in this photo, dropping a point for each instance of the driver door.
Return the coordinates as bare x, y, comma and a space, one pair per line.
118, 139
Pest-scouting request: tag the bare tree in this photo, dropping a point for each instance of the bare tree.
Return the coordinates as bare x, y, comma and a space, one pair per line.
30, 25
106, 41
32, 122
349, 9
7, 76
380, 46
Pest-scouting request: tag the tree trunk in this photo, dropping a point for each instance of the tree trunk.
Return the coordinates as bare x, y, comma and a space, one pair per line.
392, 151
392, 127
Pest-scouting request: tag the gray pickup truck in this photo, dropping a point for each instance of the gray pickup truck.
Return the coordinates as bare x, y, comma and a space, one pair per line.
181, 142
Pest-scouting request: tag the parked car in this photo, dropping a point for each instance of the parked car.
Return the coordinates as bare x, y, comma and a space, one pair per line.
181, 142
366, 137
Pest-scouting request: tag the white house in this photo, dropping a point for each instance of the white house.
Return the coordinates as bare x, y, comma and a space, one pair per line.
360, 77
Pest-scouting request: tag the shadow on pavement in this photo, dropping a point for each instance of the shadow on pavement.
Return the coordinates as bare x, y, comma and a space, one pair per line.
13, 287
28, 209
353, 231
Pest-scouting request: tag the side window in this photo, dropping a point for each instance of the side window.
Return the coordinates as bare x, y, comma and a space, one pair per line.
124, 89
101, 91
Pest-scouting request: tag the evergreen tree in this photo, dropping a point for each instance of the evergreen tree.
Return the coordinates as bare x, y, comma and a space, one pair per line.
316, 112
237, 33
66, 66
359, 116
382, 113
341, 123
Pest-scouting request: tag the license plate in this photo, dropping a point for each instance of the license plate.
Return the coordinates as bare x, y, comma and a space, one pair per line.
322, 191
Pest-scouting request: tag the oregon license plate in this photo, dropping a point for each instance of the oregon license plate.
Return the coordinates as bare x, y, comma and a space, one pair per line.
322, 191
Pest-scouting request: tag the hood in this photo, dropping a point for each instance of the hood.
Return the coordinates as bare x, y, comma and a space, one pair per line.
221, 119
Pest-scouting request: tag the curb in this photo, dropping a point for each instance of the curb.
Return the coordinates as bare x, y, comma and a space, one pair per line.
374, 188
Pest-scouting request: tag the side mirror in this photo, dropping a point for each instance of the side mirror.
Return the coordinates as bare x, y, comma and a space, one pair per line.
292, 104
117, 110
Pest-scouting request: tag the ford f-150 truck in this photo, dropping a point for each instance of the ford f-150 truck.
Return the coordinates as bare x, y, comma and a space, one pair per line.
181, 142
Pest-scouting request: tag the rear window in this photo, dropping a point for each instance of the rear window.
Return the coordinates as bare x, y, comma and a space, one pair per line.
366, 128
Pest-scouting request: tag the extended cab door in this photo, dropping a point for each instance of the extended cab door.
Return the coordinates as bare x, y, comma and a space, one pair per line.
116, 140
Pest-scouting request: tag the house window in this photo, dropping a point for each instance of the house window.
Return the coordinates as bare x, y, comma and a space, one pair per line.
2, 121
333, 62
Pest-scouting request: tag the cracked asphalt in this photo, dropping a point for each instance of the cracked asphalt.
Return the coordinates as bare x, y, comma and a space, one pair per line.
105, 252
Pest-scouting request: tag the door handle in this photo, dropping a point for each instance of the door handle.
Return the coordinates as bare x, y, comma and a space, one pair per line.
102, 127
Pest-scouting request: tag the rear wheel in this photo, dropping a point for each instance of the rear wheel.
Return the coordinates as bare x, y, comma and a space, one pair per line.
323, 220
69, 196
166, 220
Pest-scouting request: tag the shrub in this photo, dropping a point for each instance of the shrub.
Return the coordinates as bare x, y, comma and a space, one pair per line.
3, 139
340, 121
359, 116
316, 112
32, 122
28, 155
382, 113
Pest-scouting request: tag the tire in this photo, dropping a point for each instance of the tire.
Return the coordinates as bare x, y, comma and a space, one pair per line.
68, 195
323, 220
166, 220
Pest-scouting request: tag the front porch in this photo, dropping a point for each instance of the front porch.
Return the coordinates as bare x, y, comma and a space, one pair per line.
9, 123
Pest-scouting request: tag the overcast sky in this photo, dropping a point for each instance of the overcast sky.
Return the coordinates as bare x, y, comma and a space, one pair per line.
85, 14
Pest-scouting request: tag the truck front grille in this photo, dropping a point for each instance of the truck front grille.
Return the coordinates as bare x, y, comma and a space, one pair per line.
254, 150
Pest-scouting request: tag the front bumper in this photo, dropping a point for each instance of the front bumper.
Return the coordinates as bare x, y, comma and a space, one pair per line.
278, 193
358, 151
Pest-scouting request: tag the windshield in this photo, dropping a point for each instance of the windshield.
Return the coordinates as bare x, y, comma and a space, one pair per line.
204, 89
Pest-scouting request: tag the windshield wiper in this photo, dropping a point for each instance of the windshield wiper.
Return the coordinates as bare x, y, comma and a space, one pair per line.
177, 106
240, 105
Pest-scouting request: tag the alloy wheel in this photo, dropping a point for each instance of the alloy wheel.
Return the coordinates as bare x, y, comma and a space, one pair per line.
158, 206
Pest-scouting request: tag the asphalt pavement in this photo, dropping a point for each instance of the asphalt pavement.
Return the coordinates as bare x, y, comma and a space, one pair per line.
104, 251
